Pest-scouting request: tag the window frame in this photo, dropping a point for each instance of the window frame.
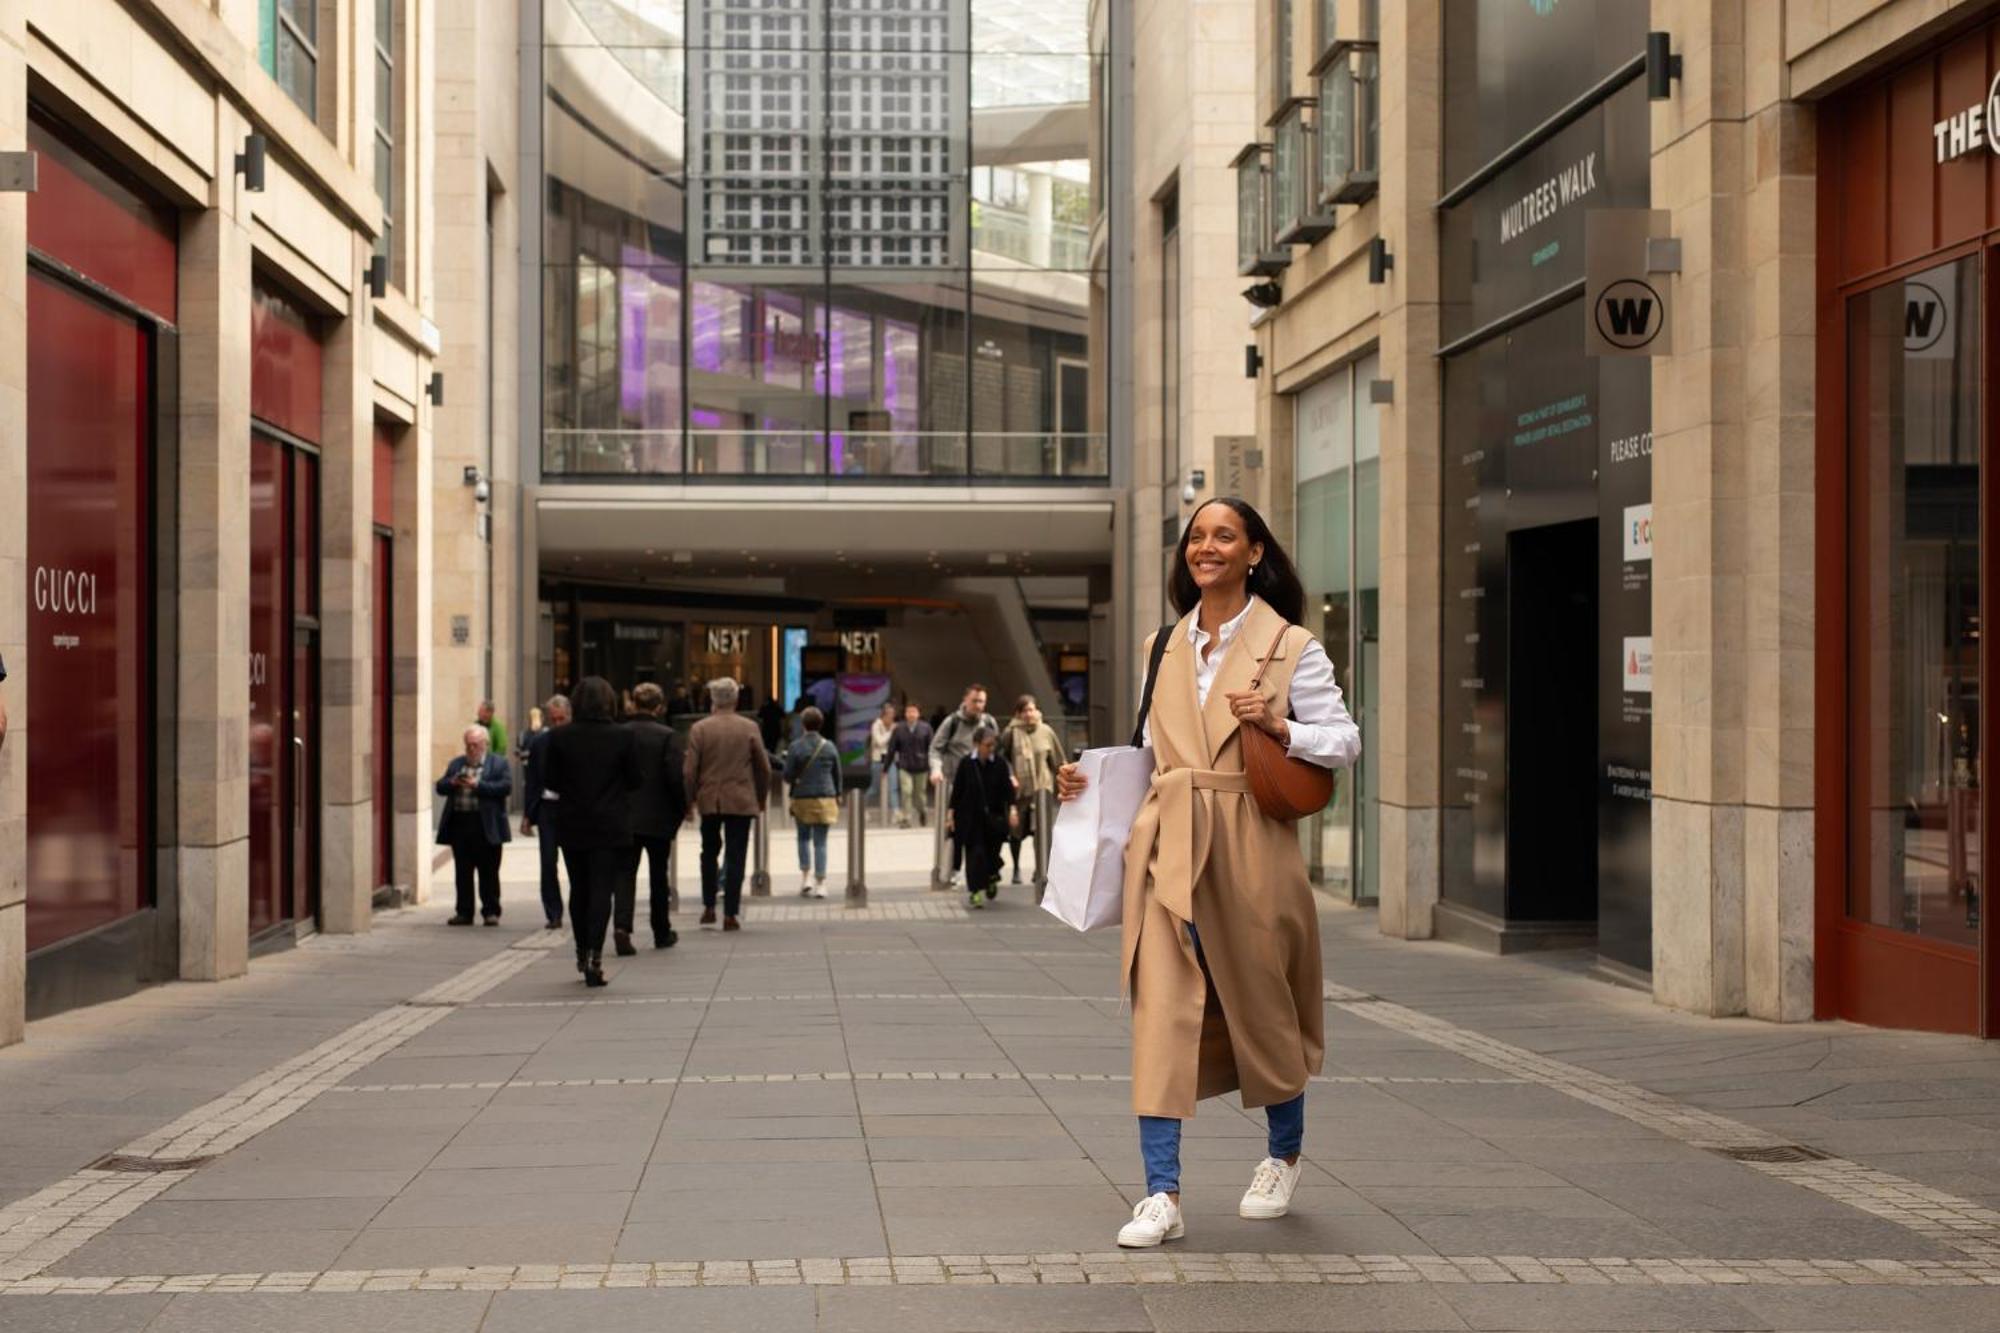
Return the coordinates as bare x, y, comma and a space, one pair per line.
1300, 212
1267, 257
1341, 84
388, 137
276, 26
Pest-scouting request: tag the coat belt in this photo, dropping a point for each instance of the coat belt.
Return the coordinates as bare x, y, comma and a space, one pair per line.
1187, 819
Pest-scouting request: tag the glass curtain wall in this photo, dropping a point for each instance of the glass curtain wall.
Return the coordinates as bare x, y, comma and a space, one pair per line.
818, 239
1339, 517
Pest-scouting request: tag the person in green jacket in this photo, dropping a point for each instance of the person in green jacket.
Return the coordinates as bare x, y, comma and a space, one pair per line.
495, 728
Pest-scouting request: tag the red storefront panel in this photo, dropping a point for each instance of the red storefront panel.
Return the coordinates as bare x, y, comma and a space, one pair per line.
285, 366
88, 616
270, 648
383, 686
86, 218
385, 476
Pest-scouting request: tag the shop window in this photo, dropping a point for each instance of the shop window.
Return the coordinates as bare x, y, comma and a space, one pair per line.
1348, 87
388, 107
1257, 253
1295, 191
288, 47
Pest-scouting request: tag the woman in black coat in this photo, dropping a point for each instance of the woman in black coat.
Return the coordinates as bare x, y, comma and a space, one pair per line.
982, 795
592, 766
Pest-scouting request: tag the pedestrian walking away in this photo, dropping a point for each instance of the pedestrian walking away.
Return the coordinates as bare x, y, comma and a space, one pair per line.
979, 812
729, 781
950, 743
593, 769
541, 811
812, 772
1221, 956
658, 809
475, 786
1033, 753
909, 760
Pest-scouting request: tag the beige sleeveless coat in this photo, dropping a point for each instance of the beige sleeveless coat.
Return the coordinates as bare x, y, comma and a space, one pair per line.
1202, 851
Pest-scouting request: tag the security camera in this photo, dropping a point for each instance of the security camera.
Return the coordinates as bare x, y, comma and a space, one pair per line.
1187, 493
482, 490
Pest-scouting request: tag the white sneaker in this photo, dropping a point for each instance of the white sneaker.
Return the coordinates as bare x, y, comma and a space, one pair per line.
805, 884
817, 889
1155, 1218
1270, 1192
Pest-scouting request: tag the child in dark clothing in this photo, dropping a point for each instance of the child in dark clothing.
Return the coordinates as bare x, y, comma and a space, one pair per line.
982, 799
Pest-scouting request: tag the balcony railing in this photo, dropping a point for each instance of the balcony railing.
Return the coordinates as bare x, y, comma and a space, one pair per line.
809, 455
1010, 235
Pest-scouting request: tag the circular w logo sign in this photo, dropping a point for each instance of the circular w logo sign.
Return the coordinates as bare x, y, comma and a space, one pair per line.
1629, 314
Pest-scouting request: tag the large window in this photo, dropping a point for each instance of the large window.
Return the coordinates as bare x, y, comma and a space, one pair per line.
1913, 761
1257, 252
1339, 516
388, 29
1347, 85
288, 44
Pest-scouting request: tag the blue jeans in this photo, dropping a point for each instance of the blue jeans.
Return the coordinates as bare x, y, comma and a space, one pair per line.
812, 839
1160, 1142
1160, 1136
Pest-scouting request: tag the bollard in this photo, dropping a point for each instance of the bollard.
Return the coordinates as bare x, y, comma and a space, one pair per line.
760, 864
940, 859
674, 871
1045, 820
857, 850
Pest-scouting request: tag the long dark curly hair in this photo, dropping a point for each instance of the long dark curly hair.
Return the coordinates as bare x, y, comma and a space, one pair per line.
1274, 579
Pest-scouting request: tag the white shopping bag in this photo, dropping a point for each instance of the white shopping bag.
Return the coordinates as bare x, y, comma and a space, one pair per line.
1086, 887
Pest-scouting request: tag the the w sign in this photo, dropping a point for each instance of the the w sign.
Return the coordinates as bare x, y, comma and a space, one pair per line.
1629, 262
1927, 330
1629, 314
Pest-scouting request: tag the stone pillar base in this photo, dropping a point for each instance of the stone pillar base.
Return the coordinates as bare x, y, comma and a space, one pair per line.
1409, 883
215, 904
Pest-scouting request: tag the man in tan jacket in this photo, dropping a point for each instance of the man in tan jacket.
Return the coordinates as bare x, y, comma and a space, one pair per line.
729, 781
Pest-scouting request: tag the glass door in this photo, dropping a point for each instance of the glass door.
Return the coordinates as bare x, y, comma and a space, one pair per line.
284, 683
1915, 876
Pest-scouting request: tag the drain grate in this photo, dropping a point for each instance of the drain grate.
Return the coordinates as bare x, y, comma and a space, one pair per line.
129, 1165
1774, 1153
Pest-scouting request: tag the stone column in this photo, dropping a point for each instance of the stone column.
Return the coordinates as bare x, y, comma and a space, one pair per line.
346, 616
1405, 735
13, 532
1733, 467
212, 852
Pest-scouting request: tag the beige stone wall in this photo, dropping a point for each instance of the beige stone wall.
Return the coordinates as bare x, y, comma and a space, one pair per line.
169, 90
1194, 105
1733, 465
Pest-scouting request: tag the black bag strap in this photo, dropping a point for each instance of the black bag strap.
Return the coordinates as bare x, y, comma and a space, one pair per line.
1152, 674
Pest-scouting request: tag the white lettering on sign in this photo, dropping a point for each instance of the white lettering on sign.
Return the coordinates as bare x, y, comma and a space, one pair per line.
861, 643
260, 670
1540, 204
1974, 127
728, 641
65, 592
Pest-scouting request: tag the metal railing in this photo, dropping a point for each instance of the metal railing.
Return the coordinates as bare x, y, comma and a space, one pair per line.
1038, 456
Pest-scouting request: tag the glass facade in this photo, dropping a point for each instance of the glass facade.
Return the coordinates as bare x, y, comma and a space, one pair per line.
1339, 557
818, 239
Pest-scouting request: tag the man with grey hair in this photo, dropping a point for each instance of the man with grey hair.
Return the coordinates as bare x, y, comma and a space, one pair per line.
729, 781
475, 787
542, 809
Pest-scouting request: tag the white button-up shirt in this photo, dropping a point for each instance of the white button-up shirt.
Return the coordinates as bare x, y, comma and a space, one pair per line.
1321, 731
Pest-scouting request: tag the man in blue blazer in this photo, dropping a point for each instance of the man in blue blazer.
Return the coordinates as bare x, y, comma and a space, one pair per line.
475, 787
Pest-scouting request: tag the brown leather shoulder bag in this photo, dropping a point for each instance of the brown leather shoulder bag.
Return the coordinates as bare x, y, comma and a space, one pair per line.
1285, 788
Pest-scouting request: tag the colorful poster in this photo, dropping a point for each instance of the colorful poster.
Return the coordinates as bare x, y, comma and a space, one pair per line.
862, 694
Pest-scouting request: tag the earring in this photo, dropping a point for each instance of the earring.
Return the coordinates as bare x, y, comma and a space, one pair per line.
1253, 569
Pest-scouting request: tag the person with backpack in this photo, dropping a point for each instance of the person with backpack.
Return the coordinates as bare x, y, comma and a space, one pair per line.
812, 771
951, 743
981, 811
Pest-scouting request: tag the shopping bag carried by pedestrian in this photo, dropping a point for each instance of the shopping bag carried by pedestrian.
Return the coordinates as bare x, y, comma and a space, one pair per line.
1086, 886
1086, 876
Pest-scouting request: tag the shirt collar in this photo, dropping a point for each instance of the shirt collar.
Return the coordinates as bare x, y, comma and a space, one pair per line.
1199, 636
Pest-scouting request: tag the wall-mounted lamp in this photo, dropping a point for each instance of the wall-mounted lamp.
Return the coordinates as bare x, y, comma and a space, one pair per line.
1381, 391
1196, 480
1380, 261
250, 163
1662, 66
435, 389
378, 276
1264, 295
1253, 361
482, 490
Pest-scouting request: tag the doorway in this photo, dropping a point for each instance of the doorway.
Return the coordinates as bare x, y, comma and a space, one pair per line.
284, 684
1552, 723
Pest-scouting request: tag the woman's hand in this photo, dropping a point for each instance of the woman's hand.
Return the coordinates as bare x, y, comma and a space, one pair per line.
1252, 709
1070, 783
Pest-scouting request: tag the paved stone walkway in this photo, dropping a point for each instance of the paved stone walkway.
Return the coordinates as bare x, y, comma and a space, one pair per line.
915, 1116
